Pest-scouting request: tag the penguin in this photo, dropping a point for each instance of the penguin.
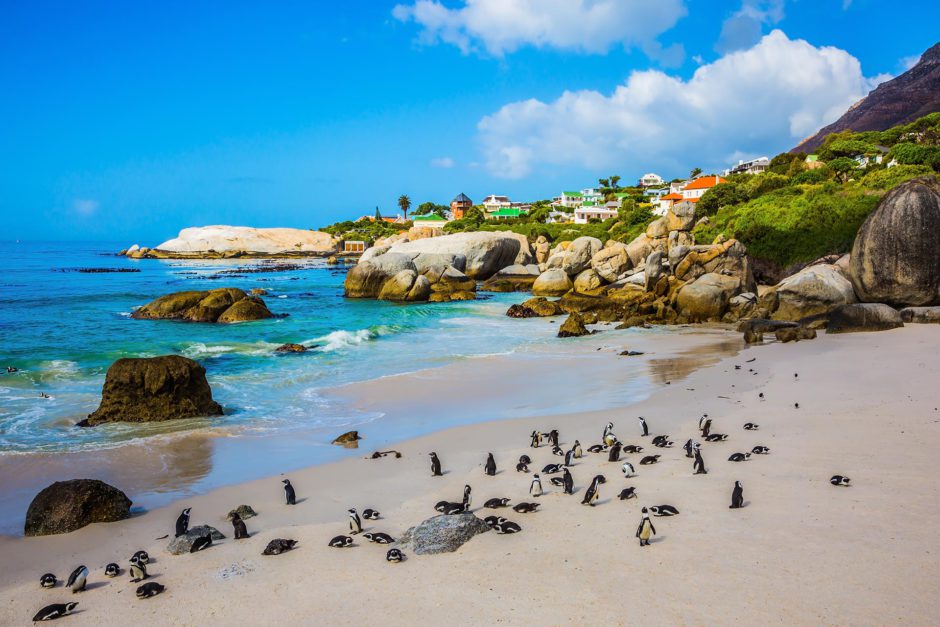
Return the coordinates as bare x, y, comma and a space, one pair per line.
466, 498
761, 396
289, 492
238, 525
701, 421
394, 556
535, 488
607, 430
613, 454
646, 429
569, 457
632, 448
536, 439
627, 493
149, 589
659, 439
750, 426
520, 467
494, 520
182, 523
628, 470
665, 444
112, 570
435, 466
355, 523
706, 427
525, 508
507, 527
592, 494
796, 405
716, 437
138, 571
597, 448
278, 546
340, 542
201, 543
737, 496
371, 514
649, 459
446, 507
551, 469
141, 557
557, 450
54, 611
760, 450
578, 453
688, 447
490, 467
610, 439
379, 538
664, 510
839, 480
553, 437
497, 503
48, 580
646, 529
77, 580
525, 459
568, 482
739, 457
698, 466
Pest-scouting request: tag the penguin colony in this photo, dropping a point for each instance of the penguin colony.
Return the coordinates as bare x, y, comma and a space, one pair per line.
611, 446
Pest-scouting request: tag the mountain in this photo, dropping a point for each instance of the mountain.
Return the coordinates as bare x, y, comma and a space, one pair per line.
901, 100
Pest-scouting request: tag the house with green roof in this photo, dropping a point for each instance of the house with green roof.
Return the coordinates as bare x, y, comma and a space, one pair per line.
431, 220
506, 213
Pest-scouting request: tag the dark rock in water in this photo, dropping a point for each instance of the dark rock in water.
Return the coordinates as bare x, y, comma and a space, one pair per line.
278, 546
443, 534
794, 334
896, 255
258, 291
349, 439
630, 353
153, 389
69, 505
290, 348
520, 311
921, 315
573, 326
99, 270
184, 543
863, 317
244, 512
224, 305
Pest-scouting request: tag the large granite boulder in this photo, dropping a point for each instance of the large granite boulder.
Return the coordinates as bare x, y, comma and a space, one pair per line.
588, 282
921, 315
794, 334
681, 216
653, 270
406, 286
813, 290
707, 297
69, 505
543, 307
896, 255
725, 257
573, 326
222, 240
150, 389
639, 249
442, 534
553, 282
611, 262
183, 544
365, 279
225, 305
579, 253
485, 253
863, 317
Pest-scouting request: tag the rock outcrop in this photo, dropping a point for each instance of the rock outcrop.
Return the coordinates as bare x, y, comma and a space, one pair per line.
813, 290
921, 315
222, 241
573, 326
579, 254
794, 334
225, 305
707, 298
69, 505
180, 545
151, 389
552, 282
896, 255
485, 253
442, 534
863, 317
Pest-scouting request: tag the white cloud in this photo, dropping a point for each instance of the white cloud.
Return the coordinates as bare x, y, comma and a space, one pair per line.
761, 100
908, 62
85, 207
503, 26
746, 25
442, 162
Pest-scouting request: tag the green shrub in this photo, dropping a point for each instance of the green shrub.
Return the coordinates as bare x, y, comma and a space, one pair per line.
890, 177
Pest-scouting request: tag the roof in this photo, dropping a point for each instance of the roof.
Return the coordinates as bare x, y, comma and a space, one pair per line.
578, 194
672, 196
588, 203
506, 213
431, 217
705, 182
461, 197
691, 200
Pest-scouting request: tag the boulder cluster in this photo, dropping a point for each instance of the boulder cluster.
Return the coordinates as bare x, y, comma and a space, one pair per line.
224, 305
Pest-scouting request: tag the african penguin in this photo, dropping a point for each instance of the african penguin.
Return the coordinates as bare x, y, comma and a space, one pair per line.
149, 589
496, 503
649, 459
706, 427
239, 527
435, 465
340, 542
48, 580
577, 449
490, 467
737, 496
379, 538
553, 437
112, 570
632, 448
536, 439
520, 467
289, 492
202, 543
535, 488
525, 459
739, 457
607, 430
138, 570
645, 427
596, 448
646, 529
54, 611
278, 546
760, 450
698, 466
628, 469
716, 437
77, 580
370, 514
627, 493
466, 498
557, 450
664, 510
569, 457
525, 508
750, 426
610, 439
355, 523
591, 495
568, 482
394, 555
182, 523
507, 527
141, 556
613, 454
550, 469
839, 480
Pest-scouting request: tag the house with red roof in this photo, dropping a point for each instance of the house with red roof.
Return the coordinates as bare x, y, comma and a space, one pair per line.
694, 190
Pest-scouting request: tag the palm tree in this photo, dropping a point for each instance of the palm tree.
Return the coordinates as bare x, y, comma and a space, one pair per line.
378, 216
604, 182
614, 180
404, 203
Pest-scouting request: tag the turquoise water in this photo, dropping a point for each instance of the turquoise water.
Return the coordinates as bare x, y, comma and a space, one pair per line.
62, 329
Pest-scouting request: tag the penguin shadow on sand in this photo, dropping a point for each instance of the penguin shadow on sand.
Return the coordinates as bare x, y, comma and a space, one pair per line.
658, 538
300, 500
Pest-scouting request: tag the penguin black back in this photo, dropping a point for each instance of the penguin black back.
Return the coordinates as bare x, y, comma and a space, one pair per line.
490, 467
737, 496
54, 611
435, 465
238, 525
182, 523
289, 492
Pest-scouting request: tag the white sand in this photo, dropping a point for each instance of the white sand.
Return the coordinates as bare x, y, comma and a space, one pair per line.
801, 552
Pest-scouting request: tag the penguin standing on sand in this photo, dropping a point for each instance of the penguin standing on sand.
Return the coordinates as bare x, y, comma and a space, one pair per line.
490, 467
289, 492
607, 431
569, 456
466, 498
182, 523
77, 580
536, 439
706, 427
241, 531
138, 570
578, 453
688, 448
591, 495
698, 466
646, 429
535, 488
646, 529
553, 437
568, 482
737, 496
435, 466
355, 523
613, 455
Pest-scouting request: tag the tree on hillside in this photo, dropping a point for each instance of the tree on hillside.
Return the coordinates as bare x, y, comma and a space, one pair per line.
695, 172
843, 167
404, 203
614, 180
604, 183
378, 215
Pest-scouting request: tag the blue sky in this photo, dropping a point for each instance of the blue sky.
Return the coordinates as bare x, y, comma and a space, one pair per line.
130, 121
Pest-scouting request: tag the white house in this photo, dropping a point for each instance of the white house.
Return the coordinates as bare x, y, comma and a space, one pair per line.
431, 220
754, 166
591, 194
651, 180
694, 190
588, 212
495, 203
558, 217
677, 187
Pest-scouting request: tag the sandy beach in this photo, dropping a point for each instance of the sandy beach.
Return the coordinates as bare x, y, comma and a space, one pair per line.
800, 552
